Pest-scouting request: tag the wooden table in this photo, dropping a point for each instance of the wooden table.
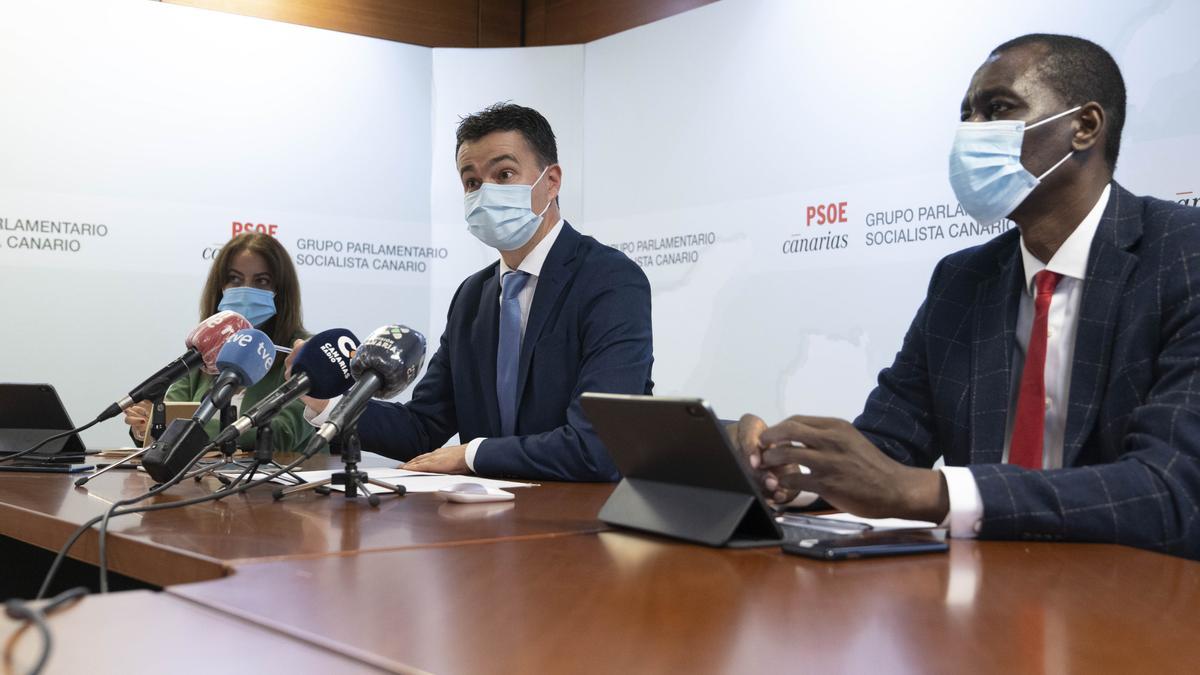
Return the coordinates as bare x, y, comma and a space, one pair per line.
623, 603
145, 632
537, 586
207, 541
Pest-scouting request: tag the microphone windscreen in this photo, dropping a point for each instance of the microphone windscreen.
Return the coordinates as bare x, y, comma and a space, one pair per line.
325, 358
249, 353
394, 353
212, 333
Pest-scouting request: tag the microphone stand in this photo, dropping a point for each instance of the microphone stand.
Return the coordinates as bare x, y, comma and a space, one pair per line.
158, 424
264, 459
351, 478
158, 417
228, 450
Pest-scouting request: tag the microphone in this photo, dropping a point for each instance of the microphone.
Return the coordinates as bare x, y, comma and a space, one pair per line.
384, 365
241, 362
321, 369
203, 343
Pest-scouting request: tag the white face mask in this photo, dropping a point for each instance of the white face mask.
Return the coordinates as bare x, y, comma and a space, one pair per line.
985, 167
502, 216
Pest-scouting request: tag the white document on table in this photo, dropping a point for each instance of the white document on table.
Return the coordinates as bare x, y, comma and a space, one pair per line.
414, 481
881, 523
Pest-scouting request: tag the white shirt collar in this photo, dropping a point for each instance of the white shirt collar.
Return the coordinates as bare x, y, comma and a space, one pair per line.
1070, 260
537, 257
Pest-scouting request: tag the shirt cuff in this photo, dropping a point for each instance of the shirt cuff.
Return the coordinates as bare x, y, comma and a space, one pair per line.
803, 499
318, 418
966, 503
472, 448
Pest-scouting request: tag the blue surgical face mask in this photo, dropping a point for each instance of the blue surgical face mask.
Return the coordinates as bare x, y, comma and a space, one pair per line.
255, 304
502, 216
985, 167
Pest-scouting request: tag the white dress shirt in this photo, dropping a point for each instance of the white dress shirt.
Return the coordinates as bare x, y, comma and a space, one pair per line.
533, 265
1070, 261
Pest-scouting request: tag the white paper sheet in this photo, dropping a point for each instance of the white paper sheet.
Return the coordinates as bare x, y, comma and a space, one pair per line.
881, 523
415, 481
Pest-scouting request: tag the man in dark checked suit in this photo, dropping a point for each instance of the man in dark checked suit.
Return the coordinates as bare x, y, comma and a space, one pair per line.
1056, 368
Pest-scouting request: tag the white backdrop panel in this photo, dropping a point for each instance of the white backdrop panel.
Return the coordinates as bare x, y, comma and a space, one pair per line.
547, 79
165, 125
711, 134
708, 140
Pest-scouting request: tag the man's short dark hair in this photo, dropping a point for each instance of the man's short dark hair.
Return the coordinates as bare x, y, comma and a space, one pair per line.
511, 117
1081, 71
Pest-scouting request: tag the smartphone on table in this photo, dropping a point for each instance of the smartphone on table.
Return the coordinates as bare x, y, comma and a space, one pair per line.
867, 545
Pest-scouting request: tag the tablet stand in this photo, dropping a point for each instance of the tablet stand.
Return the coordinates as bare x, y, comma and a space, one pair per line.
702, 515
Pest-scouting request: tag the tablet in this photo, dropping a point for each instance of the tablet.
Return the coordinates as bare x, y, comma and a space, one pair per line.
46, 468
682, 477
30, 413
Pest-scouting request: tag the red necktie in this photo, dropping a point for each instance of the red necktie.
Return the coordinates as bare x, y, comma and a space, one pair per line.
1030, 427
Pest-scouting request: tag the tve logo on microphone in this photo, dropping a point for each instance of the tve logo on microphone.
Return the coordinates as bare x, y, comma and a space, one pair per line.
267, 355
244, 339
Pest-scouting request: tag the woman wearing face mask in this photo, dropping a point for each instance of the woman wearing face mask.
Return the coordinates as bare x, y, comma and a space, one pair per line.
253, 275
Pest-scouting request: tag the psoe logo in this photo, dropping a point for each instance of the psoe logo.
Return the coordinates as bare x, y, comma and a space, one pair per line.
239, 228
1188, 198
825, 214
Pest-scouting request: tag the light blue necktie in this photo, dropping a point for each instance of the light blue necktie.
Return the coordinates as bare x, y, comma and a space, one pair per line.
508, 354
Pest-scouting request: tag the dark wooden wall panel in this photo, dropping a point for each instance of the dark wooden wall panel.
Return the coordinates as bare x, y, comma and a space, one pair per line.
499, 23
438, 23
564, 22
462, 23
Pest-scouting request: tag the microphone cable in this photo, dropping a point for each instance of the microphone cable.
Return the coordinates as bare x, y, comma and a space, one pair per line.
36, 616
55, 437
215, 496
66, 547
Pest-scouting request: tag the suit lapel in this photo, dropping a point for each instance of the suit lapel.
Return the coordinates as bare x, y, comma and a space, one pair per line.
557, 269
996, 303
1109, 266
485, 334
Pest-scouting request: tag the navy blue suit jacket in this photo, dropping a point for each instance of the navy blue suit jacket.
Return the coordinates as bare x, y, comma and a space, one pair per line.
588, 330
1131, 454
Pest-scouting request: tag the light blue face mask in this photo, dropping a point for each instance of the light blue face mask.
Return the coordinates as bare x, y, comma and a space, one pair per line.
255, 304
985, 167
502, 216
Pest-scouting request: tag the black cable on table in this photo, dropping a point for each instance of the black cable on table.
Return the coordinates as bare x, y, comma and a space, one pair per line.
62, 552
55, 437
21, 611
215, 496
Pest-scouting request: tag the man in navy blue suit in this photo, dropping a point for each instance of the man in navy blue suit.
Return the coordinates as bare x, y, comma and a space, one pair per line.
1056, 368
559, 314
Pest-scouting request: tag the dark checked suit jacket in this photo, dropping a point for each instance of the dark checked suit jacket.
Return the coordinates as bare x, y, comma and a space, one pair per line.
1131, 453
588, 330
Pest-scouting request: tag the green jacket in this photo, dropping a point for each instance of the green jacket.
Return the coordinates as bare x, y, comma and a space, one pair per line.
292, 431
